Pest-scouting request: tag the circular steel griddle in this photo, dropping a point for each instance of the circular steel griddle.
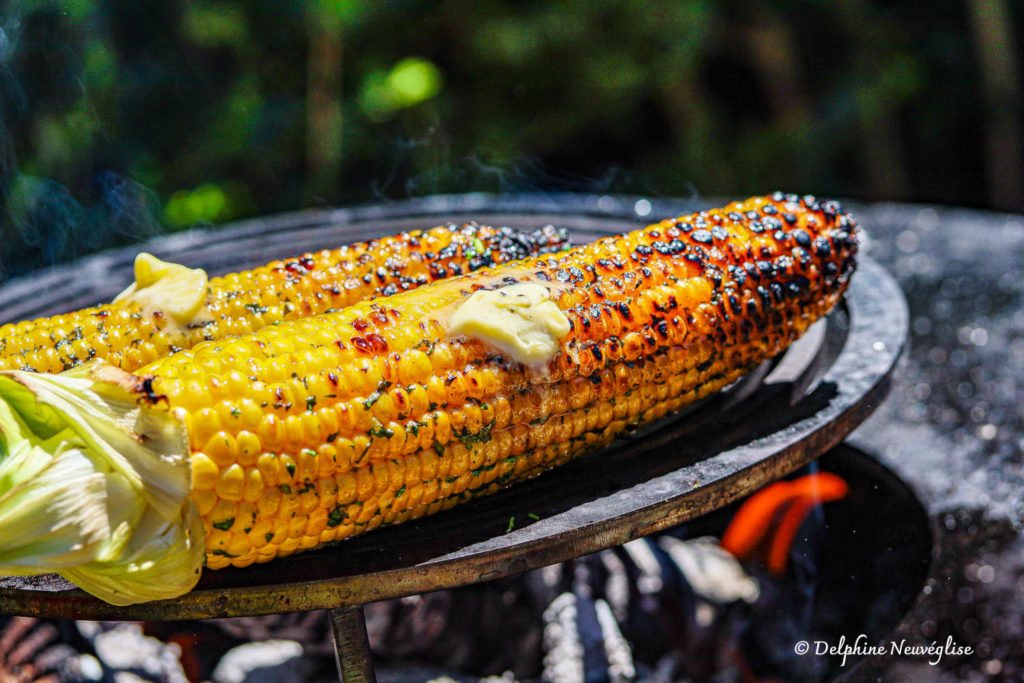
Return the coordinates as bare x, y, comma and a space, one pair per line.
780, 417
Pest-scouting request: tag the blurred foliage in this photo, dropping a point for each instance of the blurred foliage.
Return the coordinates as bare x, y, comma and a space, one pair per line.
409, 82
119, 119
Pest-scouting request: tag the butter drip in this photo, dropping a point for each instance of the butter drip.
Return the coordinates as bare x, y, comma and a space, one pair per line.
519, 319
170, 288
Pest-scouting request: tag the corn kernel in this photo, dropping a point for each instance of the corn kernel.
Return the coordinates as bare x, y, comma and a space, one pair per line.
348, 487
269, 466
204, 501
223, 515
205, 474
222, 449
232, 483
249, 448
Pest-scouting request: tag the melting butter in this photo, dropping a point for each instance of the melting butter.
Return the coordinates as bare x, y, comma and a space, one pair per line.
519, 319
170, 288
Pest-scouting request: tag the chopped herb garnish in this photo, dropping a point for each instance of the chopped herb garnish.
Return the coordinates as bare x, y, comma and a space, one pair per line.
336, 516
483, 436
382, 386
225, 525
380, 431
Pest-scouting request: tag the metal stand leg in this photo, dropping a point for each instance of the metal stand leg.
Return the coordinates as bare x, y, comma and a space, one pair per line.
352, 645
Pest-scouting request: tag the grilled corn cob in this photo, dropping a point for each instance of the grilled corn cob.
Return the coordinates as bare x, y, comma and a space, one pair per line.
129, 334
323, 428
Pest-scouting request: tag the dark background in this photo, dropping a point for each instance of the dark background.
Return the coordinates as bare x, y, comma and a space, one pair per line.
123, 119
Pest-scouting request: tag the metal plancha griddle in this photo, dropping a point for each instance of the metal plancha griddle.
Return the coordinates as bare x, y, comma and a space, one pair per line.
783, 415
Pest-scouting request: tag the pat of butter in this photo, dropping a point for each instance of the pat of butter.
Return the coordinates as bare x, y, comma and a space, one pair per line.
173, 289
521, 320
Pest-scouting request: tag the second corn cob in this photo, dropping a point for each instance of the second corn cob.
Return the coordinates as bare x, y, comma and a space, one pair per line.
129, 335
322, 428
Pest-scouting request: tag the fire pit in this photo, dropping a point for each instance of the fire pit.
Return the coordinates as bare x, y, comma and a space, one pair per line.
856, 567
779, 419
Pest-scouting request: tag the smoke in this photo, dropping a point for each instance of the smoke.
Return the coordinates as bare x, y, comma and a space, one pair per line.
435, 163
64, 205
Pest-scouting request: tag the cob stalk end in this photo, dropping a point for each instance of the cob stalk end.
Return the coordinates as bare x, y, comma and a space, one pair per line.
94, 488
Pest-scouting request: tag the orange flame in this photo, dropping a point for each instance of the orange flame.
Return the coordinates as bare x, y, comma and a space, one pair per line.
781, 508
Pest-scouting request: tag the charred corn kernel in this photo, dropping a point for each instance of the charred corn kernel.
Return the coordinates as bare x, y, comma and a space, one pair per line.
374, 413
130, 333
